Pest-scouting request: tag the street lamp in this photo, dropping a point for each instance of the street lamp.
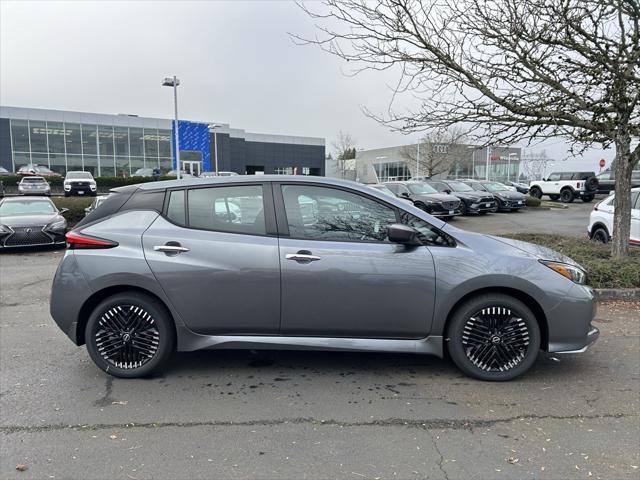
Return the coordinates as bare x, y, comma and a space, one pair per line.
486, 173
174, 82
473, 160
215, 145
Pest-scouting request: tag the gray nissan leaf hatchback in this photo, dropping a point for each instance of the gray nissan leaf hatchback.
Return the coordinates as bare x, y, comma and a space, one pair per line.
278, 262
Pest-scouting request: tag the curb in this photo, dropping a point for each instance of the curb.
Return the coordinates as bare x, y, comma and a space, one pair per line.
603, 294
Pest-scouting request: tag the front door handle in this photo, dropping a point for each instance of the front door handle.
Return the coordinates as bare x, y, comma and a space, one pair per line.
302, 256
168, 249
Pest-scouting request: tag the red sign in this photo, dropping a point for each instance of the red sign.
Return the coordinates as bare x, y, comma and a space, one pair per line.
602, 163
495, 157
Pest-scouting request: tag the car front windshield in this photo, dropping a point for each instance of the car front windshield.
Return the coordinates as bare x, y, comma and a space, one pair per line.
495, 187
460, 187
26, 207
421, 188
75, 175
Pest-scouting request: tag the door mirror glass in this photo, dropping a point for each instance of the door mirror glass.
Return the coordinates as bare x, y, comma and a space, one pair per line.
403, 234
63, 211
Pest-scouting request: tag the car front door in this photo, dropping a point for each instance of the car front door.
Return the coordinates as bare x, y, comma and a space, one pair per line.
341, 277
214, 251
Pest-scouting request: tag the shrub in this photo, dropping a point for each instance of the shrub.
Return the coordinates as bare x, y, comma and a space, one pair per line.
532, 201
76, 206
604, 271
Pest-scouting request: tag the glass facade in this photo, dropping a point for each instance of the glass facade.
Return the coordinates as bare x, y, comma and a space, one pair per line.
392, 171
103, 150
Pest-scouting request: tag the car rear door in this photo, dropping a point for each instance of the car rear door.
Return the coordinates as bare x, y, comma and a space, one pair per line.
215, 253
635, 218
341, 277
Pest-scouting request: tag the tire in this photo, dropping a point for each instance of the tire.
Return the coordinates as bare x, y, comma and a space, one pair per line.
535, 192
484, 212
591, 184
567, 196
463, 208
588, 198
554, 197
150, 335
488, 355
600, 234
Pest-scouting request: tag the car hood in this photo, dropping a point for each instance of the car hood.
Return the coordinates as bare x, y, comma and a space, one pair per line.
435, 197
471, 195
508, 246
508, 194
25, 220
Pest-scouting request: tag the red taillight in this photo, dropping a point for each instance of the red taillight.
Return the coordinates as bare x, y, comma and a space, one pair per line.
76, 239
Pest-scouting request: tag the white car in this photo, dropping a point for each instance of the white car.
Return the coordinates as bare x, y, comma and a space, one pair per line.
601, 219
80, 183
566, 186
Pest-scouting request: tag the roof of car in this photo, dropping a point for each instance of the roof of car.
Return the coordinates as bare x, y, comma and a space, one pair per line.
23, 198
195, 181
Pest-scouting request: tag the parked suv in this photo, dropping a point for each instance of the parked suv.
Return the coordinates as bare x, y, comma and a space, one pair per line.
30, 185
601, 219
80, 183
427, 198
470, 200
506, 199
607, 181
308, 263
566, 186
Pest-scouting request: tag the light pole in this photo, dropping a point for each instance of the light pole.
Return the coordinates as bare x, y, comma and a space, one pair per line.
473, 160
418, 161
215, 146
174, 82
486, 173
515, 156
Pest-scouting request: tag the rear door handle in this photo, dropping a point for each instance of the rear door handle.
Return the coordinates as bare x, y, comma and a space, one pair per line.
302, 257
170, 248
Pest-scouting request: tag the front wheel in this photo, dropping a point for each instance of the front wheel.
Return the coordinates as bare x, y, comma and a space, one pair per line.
130, 335
601, 235
535, 192
493, 337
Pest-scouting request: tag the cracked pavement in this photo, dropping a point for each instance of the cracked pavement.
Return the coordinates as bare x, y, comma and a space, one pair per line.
238, 414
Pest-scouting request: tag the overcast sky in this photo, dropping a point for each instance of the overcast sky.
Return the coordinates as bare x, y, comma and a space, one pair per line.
236, 62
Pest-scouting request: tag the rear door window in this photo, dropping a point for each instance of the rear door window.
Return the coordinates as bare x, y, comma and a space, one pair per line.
233, 209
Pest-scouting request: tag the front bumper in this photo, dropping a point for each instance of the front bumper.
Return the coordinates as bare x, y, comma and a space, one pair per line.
592, 336
75, 189
481, 207
37, 236
570, 321
511, 204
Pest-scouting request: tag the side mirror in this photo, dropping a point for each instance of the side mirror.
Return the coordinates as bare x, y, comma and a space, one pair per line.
402, 234
87, 210
447, 191
405, 194
63, 211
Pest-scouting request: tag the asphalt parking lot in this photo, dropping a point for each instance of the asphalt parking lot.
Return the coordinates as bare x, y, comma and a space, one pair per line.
238, 414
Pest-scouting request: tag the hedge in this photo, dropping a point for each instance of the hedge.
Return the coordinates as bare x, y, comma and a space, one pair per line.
76, 206
604, 271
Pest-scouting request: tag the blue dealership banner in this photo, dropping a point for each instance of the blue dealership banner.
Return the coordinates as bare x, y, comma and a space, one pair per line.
194, 136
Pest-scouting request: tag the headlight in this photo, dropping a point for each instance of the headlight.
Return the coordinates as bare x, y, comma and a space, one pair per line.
573, 273
59, 225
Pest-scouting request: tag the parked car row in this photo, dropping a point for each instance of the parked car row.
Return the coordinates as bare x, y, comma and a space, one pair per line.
449, 198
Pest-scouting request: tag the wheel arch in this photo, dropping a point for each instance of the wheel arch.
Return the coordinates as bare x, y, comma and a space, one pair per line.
92, 302
525, 298
597, 225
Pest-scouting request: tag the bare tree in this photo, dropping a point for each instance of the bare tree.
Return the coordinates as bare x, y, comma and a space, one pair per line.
515, 70
534, 164
437, 151
344, 147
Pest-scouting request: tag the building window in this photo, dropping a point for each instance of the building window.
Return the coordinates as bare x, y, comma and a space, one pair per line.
20, 136
392, 171
283, 170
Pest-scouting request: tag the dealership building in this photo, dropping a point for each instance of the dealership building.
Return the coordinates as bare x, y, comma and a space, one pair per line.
118, 145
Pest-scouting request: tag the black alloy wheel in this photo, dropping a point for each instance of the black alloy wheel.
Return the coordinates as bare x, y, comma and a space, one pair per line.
567, 196
601, 235
535, 192
129, 335
493, 337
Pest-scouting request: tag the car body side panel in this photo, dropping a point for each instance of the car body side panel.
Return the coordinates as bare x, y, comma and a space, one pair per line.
357, 289
226, 283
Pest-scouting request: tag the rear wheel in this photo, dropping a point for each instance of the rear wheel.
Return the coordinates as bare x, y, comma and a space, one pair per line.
567, 196
535, 192
130, 335
493, 337
601, 235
